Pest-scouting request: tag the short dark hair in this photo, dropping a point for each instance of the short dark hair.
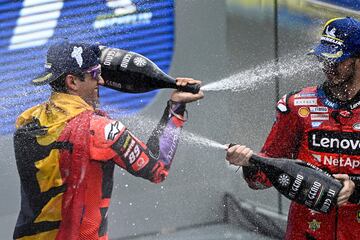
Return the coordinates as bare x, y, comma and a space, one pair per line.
58, 85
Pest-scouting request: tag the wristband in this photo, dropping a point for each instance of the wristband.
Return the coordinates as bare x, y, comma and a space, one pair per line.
177, 110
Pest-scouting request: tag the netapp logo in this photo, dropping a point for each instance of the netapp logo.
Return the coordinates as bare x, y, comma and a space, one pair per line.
334, 142
342, 162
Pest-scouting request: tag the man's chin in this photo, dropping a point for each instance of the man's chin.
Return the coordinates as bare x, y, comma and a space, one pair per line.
337, 83
332, 83
97, 104
94, 102
332, 80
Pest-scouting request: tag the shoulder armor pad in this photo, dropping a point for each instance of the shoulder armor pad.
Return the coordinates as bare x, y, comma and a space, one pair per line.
105, 130
283, 104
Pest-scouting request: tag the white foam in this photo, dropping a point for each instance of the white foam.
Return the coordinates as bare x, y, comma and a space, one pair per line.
263, 74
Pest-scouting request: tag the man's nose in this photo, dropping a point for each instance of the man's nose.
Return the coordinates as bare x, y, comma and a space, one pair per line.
101, 81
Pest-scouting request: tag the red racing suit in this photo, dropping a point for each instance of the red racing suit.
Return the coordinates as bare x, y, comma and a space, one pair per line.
65, 154
314, 127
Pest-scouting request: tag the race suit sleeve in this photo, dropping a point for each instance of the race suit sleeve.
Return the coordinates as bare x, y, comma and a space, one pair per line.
282, 141
111, 140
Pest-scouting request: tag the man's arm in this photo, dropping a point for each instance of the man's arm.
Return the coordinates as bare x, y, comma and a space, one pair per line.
152, 160
282, 141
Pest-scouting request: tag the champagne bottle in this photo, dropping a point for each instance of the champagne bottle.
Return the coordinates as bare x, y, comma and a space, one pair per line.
355, 197
300, 181
131, 72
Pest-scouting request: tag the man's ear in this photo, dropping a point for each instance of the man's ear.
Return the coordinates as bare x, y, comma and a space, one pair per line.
357, 66
357, 61
71, 82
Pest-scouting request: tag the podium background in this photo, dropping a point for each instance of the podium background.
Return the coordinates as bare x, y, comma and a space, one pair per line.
214, 39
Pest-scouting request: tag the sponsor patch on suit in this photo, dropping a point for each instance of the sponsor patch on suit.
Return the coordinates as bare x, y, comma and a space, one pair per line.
356, 126
303, 112
323, 116
305, 101
304, 95
113, 129
319, 109
315, 124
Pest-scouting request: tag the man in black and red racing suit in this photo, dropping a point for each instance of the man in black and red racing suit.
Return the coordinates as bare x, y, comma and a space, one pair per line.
66, 150
320, 125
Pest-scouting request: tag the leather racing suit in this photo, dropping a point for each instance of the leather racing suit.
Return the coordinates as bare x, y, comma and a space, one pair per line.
66, 152
313, 126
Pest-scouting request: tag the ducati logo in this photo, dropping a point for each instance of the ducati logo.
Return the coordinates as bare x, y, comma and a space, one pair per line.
314, 225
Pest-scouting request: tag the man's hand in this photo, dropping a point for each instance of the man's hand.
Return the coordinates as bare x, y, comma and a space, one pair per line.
347, 190
239, 155
186, 97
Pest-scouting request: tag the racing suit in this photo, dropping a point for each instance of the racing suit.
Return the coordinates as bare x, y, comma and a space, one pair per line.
313, 126
65, 154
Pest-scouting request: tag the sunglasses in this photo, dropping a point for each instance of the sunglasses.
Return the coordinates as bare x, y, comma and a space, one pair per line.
95, 72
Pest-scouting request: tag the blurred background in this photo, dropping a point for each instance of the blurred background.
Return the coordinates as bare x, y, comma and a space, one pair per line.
246, 41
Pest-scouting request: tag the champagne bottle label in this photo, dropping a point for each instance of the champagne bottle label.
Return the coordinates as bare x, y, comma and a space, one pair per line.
329, 200
125, 61
296, 185
107, 57
314, 194
140, 62
301, 182
284, 180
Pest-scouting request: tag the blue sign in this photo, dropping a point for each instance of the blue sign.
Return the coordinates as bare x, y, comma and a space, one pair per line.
292, 13
28, 27
349, 4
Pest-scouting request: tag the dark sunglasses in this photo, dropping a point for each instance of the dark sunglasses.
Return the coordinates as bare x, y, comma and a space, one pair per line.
95, 72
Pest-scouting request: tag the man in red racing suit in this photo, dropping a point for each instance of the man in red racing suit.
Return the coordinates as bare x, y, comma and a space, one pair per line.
66, 150
319, 125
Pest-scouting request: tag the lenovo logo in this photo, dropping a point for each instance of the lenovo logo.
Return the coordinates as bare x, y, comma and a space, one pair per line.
334, 142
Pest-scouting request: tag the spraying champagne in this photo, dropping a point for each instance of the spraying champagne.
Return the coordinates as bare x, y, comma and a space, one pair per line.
131, 72
300, 181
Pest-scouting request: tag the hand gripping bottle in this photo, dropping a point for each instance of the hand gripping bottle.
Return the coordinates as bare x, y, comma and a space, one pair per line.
133, 73
300, 181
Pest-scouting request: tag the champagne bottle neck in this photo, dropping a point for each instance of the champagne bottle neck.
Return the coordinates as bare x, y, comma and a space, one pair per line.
131, 72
